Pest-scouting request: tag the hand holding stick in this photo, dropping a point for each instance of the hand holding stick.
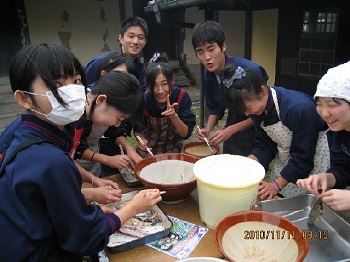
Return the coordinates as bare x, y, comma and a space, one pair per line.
127, 168
141, 141
160, 193
206, 140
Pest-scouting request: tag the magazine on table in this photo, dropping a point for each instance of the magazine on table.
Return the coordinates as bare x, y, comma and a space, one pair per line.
181, 240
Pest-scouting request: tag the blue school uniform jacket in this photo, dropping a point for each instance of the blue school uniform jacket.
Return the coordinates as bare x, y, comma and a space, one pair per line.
298, 113
340, 159
42, 204
212, 91
240, 143
93, 71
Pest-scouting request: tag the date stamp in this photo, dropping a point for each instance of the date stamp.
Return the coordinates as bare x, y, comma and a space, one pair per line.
317, 234
284, 234
268, 234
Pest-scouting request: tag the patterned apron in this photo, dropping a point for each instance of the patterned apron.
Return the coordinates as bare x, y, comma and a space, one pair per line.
92, 140
161, 134
321, 158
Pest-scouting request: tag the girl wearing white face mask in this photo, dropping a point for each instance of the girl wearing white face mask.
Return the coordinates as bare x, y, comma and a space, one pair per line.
46, 216
73, 107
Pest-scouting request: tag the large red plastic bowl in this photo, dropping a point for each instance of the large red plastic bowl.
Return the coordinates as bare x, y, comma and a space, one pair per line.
174, 192
267, 236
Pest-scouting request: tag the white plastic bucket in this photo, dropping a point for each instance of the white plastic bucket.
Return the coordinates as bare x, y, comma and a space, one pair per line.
226, 184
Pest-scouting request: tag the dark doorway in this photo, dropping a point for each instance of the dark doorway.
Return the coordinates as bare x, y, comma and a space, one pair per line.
11, 36
161, 38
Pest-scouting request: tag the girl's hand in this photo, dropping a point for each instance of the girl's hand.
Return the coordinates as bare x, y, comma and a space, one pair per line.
142, 145
220, 136
118, 161
141, 202
202, 134
170, 109
102, 195
135, 158
337, 199
106, 195
313, 183
266, 190
145, 200
100, 182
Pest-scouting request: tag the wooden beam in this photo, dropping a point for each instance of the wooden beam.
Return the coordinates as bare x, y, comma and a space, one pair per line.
122, 10
248, 34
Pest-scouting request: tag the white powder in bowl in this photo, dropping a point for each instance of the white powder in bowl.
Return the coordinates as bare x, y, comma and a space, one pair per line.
255, 241
168, 172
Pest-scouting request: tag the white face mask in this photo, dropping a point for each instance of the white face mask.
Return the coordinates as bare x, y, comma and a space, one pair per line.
74, 96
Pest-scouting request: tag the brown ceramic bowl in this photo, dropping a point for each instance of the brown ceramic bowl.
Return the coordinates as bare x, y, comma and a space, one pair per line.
200, 149
151, 170
261, 236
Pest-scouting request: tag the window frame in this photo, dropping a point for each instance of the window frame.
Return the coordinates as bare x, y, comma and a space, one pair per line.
318, 38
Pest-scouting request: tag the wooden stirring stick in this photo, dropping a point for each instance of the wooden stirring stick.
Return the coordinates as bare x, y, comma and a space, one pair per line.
141, 141
127, 167
121, 150
206, 141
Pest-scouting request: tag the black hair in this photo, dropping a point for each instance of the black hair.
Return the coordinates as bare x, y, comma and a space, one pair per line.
47, 60
158, 65
133, 21
208, 31
123, 92
115, 59
241, 90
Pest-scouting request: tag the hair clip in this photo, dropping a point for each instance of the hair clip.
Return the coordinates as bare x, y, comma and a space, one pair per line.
154, 58
239, 74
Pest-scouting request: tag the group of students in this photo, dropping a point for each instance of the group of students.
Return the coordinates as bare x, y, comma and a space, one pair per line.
70, 130
302, 146
45, 216
45, 153
168, 117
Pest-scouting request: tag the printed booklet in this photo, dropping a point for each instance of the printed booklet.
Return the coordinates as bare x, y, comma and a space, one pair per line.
181, 240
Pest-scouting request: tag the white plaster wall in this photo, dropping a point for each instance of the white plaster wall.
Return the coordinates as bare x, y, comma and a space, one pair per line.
87, 28
233, 23
192, 15
45, 21
264, 41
